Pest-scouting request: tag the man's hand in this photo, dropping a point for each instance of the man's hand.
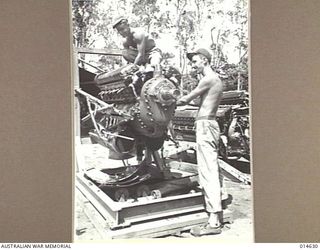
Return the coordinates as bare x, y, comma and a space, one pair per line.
182, 101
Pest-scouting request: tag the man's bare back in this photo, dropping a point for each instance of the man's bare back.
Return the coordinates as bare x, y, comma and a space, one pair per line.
136, 37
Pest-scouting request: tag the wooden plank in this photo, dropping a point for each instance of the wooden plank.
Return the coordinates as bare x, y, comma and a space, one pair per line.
98, 176
76, 103
183, 166
79, 156
91, 65
96, 196
121, 214
110, 52
161, 227
152, 229
90, 211
246, 178
169, 224
171, 150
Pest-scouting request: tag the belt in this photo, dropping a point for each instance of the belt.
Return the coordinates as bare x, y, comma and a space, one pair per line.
206, 117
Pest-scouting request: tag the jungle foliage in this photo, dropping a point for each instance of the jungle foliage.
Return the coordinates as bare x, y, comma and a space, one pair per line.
184, 24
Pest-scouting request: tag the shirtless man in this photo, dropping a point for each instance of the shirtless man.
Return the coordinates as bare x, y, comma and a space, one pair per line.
139, 48
209, 90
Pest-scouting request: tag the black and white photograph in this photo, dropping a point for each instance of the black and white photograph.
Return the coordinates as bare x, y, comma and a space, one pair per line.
162, 120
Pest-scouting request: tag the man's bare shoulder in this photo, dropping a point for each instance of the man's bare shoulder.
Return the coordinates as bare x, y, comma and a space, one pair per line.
138, 33
211, 78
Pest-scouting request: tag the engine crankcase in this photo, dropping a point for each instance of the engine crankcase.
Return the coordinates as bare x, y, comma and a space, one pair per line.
156, 107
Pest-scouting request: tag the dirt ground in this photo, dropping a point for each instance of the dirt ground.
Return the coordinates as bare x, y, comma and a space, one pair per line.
240, 194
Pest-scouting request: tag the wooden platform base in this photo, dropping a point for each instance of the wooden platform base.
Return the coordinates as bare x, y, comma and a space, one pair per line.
172, 225
142, 219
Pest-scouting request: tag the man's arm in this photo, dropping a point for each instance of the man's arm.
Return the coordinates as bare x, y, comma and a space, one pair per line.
125, 43
141, 39
203, 86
